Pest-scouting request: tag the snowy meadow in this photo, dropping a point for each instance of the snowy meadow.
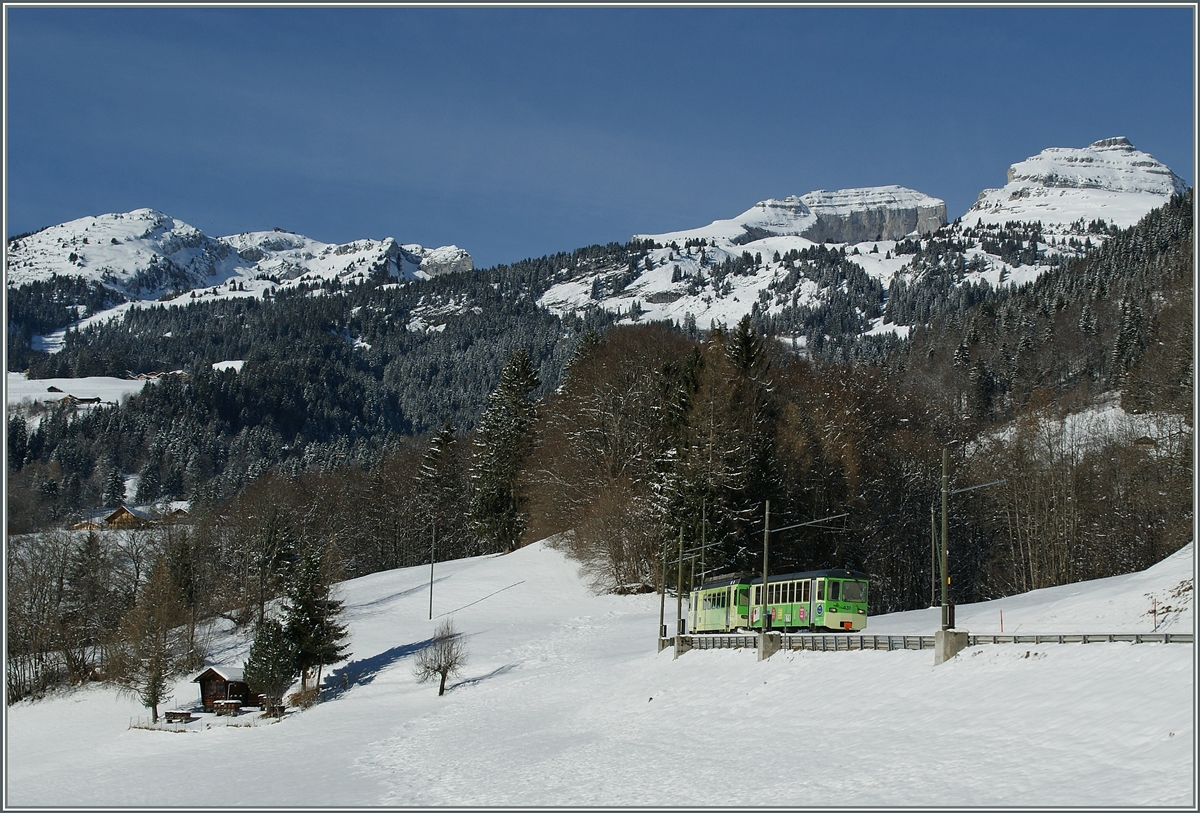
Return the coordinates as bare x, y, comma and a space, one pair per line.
566, 701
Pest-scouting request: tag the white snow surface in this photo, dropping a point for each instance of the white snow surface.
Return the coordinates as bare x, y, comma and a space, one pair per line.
107, 389
1107, 180
566, 702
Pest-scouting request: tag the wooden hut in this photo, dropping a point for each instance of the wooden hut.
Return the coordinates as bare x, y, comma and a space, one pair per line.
126, 517
224, 683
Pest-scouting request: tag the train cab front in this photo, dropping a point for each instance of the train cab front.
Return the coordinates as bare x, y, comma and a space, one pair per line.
845, 605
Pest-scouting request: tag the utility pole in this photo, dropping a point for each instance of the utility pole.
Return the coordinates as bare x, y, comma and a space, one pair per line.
679, 597
432, 551
691, 587
762, 613
933, 566
662, 597
946, 623
947, 608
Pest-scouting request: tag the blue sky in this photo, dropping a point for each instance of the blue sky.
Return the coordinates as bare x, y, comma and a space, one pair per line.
519, 132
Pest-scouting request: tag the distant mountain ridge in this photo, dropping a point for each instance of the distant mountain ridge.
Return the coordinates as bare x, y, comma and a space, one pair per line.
1067, 200
147, 254
787, 261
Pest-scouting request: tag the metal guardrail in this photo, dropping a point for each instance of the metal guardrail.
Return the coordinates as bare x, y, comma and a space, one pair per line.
845, 643
1089, 638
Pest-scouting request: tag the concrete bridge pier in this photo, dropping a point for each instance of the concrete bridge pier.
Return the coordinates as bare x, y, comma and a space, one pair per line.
768, 644
947, 644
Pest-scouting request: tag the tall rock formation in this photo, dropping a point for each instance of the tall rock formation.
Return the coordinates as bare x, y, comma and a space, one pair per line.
1108, 180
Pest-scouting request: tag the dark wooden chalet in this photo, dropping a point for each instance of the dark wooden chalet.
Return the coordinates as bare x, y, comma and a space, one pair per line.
225, 683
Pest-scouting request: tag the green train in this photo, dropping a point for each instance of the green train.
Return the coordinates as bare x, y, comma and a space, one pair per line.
819, 600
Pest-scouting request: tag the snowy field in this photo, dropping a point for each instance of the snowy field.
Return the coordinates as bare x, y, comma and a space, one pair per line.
566, 701
19, 388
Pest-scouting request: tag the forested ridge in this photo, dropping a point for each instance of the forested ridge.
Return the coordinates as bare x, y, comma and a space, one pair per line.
355, 430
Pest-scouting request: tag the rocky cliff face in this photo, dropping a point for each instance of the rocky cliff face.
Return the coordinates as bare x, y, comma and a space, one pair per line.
874, 213
845, 216
434, 262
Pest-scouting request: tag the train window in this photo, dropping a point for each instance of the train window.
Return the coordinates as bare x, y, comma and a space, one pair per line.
820, 589
792, 593
757, 594
854, 591
834, 590
805, 584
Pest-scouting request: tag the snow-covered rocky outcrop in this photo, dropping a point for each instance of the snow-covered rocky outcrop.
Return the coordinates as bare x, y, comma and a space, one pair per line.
437, 261
874, 213
145, 254
844, 216
1108, 180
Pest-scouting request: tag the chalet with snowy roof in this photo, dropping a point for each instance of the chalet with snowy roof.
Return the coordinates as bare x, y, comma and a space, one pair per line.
221, 684
125, 517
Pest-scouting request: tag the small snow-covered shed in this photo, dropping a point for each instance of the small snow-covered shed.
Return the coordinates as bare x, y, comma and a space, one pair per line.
224, 683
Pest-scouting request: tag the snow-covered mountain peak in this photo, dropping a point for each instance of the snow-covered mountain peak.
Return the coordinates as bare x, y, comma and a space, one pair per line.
146, 253
1109, 179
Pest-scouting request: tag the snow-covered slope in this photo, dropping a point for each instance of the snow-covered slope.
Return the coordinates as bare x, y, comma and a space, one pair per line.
145, 254
1108, 180
566, 701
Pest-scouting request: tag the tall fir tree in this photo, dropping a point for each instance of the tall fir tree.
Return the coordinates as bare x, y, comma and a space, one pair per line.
502, 441
311, 621
271, 666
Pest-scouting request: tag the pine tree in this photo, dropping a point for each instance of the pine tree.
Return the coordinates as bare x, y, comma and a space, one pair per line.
311, 617
18, 437
440, 484
271, 666
151, 646
502, 442
114, 486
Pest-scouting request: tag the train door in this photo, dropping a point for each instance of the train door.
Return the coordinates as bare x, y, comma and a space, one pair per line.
728, 598
805, 611
818, 619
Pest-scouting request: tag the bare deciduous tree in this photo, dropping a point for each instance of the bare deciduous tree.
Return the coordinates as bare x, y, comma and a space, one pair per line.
445, 656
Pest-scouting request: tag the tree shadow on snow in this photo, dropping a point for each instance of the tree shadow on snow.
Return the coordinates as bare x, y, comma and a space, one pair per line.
377, 603
362, 672
508, 667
